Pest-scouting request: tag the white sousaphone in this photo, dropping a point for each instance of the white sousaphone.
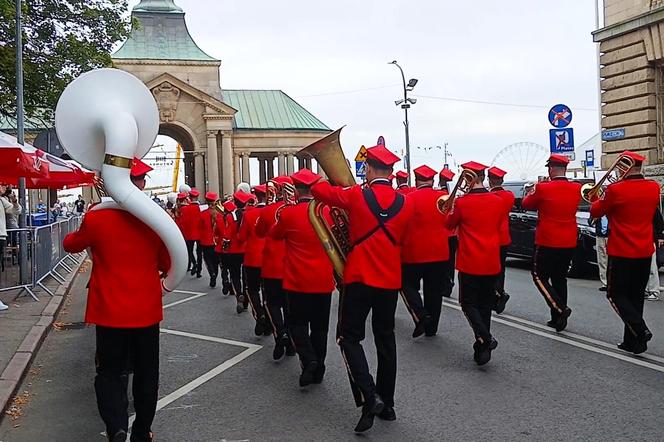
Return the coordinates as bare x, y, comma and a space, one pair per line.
104, 119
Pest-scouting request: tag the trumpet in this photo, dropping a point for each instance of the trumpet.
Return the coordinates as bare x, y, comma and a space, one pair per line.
618, 170
464, 184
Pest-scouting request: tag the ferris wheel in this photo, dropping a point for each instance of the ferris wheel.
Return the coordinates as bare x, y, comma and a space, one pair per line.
522, 161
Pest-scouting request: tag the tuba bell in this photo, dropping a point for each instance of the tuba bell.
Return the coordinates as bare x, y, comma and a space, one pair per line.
334, 236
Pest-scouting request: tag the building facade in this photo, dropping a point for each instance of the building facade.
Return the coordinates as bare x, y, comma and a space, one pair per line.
631, 45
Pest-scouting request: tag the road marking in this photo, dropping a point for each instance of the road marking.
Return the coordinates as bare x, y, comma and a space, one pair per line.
187, 292
211, 338
191, 298
569, 341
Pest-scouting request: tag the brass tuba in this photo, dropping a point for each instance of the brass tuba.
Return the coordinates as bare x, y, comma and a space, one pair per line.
464, 184
618, 170
334, 236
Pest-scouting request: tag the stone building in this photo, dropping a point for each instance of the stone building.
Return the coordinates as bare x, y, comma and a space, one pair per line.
219, 129
632, 80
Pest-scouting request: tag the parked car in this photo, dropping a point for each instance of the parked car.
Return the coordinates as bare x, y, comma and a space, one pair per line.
522, 228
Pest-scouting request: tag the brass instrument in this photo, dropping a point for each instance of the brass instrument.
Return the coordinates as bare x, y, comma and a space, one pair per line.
466, 180
334, 236
618, 170
289, 197
529, 188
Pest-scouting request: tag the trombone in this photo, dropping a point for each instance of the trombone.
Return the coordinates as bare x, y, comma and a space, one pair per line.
464, 184
618, 170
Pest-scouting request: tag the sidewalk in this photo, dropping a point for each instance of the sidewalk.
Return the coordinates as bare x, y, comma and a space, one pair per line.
23, 328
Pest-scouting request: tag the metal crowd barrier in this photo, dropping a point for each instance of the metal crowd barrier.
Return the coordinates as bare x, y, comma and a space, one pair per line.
46, 257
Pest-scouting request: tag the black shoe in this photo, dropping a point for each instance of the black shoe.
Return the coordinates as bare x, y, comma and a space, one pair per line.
561, 322
226, 289
193, 272
387, 414
198, 275
501, 302
279, 349
551, 323
320, 374
369, 411
421, 326
290, 348
120, 436
213, 283
641, 344
482, 352
602, 288
626, 346
259, 328
308, 373
267, 328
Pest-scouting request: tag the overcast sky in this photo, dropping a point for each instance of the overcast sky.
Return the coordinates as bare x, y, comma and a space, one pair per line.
332, 58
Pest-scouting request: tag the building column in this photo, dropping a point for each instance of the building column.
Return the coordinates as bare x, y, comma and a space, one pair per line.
245, 168
199, 172
269, 164
290, 166
236, 170
262, 176
281, 164
227, 163
212, 162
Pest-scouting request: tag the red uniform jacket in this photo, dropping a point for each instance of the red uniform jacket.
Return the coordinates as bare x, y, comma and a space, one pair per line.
273, 252
426, 239
127, 255
630, 206
376, 261
505, 237
405, 189
190, 222
478, 216
206, 228
556, 202
253, 245
227, 233
307, 268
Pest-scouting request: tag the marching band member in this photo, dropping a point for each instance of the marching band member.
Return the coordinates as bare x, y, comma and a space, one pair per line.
221, 246
272, 272
233, 247
253, 258
402, 183
630, 205
378, 219
444, 178
478, 216
125, 304
425, 255
210, 217
556, 202
190, 222
193, 200
496, 178
308, 280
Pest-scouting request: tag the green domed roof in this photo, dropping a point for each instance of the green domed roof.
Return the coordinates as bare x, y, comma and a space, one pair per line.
157, 6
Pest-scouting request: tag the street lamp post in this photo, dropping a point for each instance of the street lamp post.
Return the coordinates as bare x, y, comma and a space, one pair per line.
405, 105
20, 133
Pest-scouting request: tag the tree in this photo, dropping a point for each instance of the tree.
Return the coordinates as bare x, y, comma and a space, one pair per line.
61, 39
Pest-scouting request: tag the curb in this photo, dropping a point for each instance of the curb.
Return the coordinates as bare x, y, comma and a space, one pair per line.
11, 377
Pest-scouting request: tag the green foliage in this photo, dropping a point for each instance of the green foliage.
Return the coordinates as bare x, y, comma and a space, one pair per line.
61, 39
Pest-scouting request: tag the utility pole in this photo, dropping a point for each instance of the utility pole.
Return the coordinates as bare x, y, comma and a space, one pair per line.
405, 105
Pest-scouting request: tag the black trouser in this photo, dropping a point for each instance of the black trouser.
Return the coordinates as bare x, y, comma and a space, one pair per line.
252, 286
199, 257
500, 281
116, 348
3, 242
550, 266
308, 322
192, 264
436, 284
234, 263
211, 264
477, 297
356, 303
627, 279
225, 274
452, 243
277, 307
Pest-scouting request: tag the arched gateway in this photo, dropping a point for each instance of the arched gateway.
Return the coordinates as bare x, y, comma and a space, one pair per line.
219, 129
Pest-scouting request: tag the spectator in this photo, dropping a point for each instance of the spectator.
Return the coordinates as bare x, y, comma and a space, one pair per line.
652, 289
601, 236
80, 205
11, 216
7, 208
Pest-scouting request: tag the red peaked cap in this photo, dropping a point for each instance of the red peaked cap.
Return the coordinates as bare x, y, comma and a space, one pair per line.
242, 197
424, 173
557, 160
474, 166
381, 155
282, 179
305, 177
635, 156
139, 168
261, 188
194, 193
229, 206
446, 174
401, 175
182, 195
391, 177
496, 172
211, 196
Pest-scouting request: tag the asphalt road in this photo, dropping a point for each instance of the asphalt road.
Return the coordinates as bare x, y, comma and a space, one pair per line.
219, 382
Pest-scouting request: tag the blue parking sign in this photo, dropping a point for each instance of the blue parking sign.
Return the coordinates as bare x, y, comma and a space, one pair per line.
561, 140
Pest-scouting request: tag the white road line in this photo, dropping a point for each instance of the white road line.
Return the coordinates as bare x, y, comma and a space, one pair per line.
187, 292
191, 298
210, 338
622, 357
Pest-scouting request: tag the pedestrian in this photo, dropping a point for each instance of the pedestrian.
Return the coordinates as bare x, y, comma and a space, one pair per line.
478, 216
125, 304
496, 177
630, 205
80, 205
378, 219
308, 280
210, 218
601, 236
444, 179
12, 215
8, 208
253, 259
425, 255
556, 202
189, 220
